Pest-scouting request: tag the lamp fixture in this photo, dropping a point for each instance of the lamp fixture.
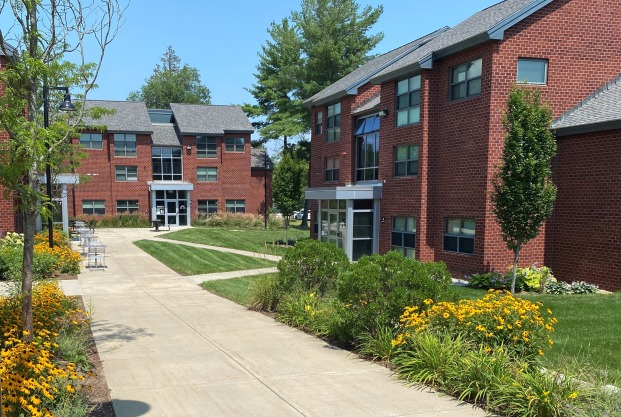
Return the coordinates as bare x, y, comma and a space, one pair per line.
188, 147
383, 113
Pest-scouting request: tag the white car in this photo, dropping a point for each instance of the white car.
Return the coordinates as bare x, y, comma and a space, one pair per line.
298, 215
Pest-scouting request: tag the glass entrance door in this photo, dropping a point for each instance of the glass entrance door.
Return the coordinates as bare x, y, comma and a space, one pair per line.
170, 207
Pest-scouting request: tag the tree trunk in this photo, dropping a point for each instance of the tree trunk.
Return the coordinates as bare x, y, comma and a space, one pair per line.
516, 258
30, 219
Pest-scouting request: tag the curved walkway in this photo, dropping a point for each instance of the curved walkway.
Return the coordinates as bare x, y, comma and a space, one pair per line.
171, 349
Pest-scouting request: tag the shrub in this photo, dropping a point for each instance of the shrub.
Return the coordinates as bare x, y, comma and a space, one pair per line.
494, 281
312, 265
67, 260
498, 319
378, 344
117, 220
577, 287
559, 287
535, 278
531, 278
265, 293
305, 311
581, 287
12, 240
376, 288
60, 238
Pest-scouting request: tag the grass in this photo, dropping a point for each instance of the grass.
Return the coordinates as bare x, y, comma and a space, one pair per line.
236, 290
187, 260
253, 240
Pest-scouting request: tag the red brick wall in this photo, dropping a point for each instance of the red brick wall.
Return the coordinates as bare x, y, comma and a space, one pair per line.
235, 179
583, 241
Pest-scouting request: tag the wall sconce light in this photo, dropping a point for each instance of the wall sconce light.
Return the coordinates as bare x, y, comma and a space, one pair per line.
188, 147
383, 113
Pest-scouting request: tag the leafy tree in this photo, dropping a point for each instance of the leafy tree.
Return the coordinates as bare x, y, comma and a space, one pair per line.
523, 195
289, 178
316, 46
35, 47
172, 83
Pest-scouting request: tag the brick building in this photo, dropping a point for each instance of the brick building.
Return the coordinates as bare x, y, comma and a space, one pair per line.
170, 164
404, 148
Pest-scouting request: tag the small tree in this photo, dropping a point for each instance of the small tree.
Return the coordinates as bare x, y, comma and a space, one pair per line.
172, 83
287, 185
523, 195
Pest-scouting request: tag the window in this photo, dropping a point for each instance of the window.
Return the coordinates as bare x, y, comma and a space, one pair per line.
236, 206
206, 147
206, 174
408, 101
459, 236
126, 206
532, 71
234, 144
319, 123
208, 207
166, 164
466, 80
332, 168
124, 144
367, 148
126, 173
403, 236
406, 160
91, 140
333, 131
93, 207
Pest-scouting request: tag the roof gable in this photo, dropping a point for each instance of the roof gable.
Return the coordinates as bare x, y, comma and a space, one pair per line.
128, 117
488, 24
599, 111
198, 119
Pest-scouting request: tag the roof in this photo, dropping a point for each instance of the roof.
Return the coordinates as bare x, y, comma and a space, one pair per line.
165, 135
258, 159
599, 111
488, 24
350, 83
198, 119
129, 117
371, 104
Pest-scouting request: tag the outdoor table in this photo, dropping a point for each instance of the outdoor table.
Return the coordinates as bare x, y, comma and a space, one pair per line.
95, 255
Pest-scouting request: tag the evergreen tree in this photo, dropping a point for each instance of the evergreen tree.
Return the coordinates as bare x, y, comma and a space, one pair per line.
172, 83
523, 195
289, 178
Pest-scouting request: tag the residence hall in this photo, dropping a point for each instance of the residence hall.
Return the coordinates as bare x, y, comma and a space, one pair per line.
405, 147
170, 165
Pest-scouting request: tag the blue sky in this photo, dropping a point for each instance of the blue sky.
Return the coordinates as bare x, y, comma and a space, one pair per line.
221, 39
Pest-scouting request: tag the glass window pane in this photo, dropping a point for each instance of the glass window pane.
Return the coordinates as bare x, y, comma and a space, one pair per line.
474, 87
403, 102
468, 227
459, 74
402, 87
412, 167
409, 240
402, 118
398, 223
475, 68
401, 153
411, 224
413, 152
532, 71
450, 243
376, 124
414, 115
361, 248
360, 128
415, 98
396, 239
363, 225
342, 204
458, 91
453, 226
466, 245
415, 83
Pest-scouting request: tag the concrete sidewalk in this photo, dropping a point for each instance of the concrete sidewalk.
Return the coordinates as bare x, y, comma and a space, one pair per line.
171, 349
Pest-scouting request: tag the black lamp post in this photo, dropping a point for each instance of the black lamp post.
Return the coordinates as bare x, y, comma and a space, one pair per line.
65, 106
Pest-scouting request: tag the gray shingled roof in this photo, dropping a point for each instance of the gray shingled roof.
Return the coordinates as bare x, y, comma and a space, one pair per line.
165, 135
349, 83
488, 24
600, 111
258, 159
371, 104
129, 117
197, 119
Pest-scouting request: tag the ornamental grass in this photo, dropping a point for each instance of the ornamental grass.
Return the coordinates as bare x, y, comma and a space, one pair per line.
35, 378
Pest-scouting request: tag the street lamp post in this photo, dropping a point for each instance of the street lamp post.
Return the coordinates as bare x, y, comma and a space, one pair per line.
65, 106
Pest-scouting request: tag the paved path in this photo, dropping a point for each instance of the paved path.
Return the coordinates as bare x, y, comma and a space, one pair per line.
171, 349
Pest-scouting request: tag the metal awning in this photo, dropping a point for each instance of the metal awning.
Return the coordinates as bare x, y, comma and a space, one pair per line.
348, 192
170, 186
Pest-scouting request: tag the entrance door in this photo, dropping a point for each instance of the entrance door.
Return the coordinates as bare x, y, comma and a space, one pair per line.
170, 207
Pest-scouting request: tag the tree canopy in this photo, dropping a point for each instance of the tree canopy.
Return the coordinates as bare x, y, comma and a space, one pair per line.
172, 83
523, 195
316, 46
45, 49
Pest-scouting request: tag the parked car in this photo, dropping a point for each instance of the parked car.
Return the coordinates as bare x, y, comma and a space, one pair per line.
298, 214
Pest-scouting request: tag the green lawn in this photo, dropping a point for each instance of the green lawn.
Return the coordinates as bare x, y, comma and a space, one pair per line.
237, 289
187, 260
254, 240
